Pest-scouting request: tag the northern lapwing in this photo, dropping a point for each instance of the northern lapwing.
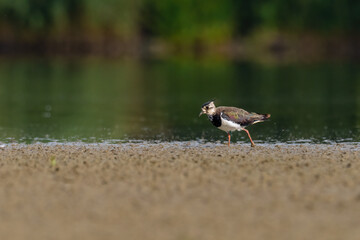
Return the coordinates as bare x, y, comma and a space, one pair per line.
231, 119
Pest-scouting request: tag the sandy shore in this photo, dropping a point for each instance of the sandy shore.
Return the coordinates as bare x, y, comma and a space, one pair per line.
179, 191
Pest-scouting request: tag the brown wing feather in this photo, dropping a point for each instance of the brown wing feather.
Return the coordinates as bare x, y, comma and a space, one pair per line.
241, 116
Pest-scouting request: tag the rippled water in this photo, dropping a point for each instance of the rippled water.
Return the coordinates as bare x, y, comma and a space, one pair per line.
116, 101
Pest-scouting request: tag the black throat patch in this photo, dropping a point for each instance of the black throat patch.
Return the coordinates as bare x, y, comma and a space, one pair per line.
215, 120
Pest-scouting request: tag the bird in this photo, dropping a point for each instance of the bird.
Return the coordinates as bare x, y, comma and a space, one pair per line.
230, 119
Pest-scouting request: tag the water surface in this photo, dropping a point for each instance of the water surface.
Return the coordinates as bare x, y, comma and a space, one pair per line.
128, 100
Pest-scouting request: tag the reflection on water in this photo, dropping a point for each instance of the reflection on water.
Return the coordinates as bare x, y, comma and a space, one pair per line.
97, 100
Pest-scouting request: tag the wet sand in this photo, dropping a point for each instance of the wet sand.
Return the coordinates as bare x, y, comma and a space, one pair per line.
179, 191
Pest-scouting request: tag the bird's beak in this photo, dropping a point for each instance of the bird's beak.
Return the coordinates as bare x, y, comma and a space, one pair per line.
201, 113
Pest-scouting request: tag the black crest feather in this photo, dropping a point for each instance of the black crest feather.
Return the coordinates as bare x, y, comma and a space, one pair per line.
207, 103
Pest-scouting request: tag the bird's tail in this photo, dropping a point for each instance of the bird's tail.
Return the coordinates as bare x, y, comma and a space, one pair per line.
266, 116
260, 118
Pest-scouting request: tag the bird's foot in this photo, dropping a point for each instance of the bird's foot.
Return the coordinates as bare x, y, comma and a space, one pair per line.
252, 145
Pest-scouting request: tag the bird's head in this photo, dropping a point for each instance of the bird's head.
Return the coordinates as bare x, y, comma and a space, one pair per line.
208, 108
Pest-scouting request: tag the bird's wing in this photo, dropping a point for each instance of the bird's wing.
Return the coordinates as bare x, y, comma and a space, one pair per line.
239, 115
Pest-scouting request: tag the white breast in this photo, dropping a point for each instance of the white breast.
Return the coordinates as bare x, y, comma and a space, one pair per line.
228, 126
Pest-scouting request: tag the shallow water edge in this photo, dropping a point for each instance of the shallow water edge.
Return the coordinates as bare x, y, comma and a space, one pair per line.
137, 144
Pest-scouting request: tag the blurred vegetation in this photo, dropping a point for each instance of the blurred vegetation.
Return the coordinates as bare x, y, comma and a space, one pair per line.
179, 22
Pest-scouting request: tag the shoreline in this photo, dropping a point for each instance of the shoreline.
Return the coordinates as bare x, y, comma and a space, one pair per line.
182, 144
274, 47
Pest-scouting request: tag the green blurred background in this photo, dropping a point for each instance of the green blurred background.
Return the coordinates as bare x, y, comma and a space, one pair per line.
124, 70
231, 27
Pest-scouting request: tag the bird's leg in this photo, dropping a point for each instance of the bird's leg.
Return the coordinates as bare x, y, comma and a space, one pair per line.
252, 143
229, 137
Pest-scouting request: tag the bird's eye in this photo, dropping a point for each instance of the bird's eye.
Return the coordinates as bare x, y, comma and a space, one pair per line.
207, 107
